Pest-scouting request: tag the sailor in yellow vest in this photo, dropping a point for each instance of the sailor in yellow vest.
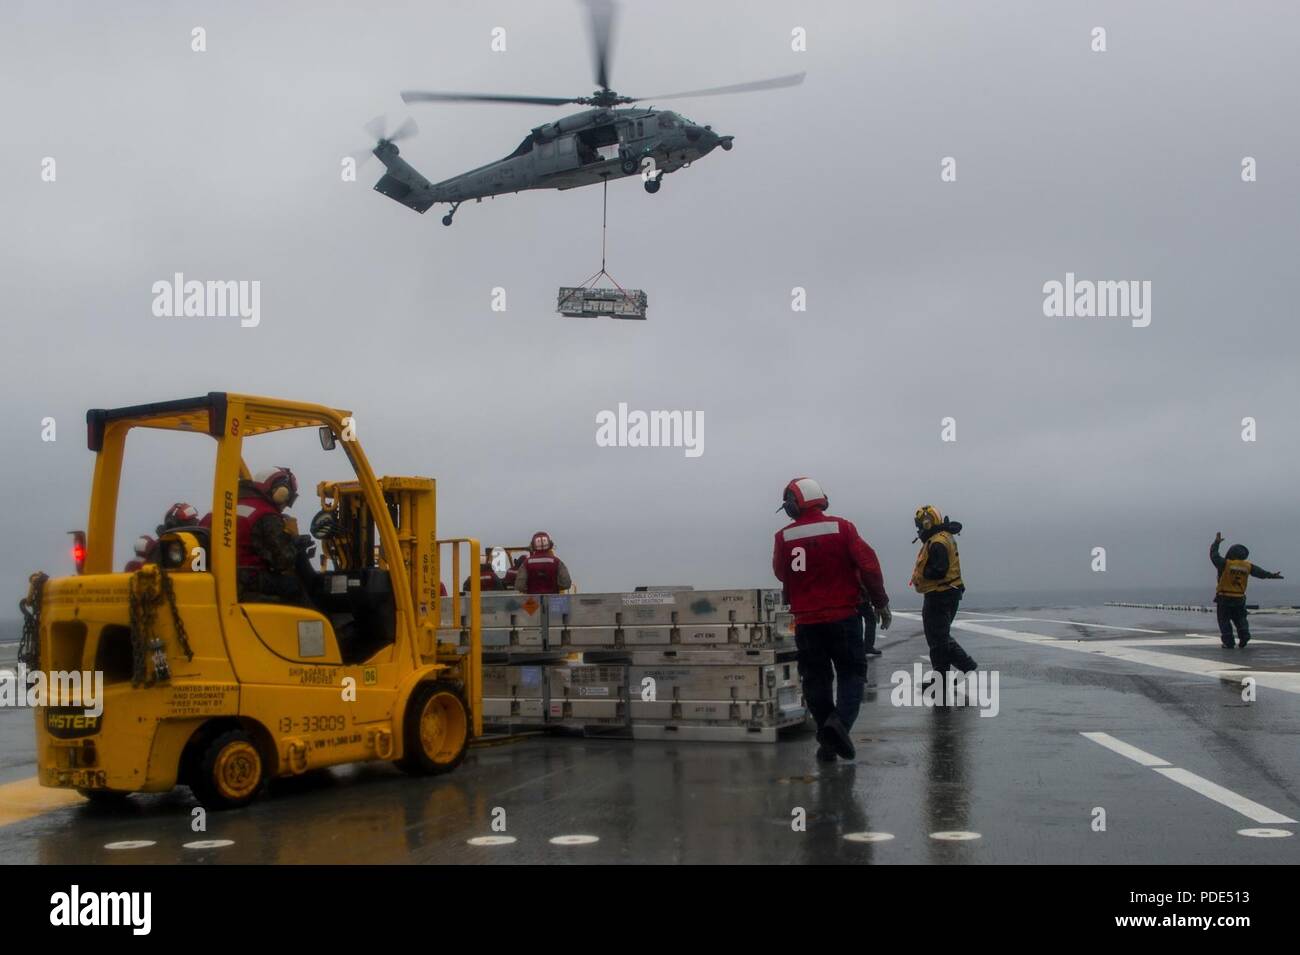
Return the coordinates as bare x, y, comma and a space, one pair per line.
1230, 594
937, 577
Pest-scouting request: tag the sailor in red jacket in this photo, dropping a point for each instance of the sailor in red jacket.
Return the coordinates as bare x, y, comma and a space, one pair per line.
825, 566
541, 571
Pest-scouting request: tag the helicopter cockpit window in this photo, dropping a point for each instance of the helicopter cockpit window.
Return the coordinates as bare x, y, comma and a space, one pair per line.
665, 121
546, 150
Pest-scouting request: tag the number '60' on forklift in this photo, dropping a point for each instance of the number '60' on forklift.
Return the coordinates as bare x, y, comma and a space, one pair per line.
220, 694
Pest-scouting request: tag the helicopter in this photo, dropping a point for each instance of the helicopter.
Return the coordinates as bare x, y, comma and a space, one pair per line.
596, 145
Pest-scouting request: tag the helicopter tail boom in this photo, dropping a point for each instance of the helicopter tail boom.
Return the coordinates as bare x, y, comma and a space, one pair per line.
402, 183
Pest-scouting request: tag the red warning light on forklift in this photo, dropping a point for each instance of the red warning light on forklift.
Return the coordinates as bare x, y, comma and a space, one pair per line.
79, 549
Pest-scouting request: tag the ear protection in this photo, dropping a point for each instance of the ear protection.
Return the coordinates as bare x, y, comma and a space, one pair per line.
790, 504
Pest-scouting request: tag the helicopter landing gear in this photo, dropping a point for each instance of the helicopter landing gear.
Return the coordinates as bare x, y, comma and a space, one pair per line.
446, 220
652, 185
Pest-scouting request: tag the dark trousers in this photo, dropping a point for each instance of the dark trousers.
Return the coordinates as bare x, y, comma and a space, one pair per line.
868, 615
829, 654
938, 609
1232, 612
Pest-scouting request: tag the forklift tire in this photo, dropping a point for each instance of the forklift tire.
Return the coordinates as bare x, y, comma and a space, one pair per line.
230, 772
629, 166
436, 730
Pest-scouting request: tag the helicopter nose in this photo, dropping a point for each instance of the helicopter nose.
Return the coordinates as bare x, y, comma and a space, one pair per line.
705, 139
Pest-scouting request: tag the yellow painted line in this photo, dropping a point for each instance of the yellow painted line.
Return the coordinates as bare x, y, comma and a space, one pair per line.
26, 799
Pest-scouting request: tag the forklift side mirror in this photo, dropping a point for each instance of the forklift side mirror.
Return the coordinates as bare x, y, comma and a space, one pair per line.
323, 526
326, 438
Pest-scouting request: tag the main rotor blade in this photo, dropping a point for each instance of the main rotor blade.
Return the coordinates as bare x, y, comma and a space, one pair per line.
601, 17
777, 82
421, 96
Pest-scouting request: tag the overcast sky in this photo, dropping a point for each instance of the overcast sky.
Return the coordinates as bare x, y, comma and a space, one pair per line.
925, 298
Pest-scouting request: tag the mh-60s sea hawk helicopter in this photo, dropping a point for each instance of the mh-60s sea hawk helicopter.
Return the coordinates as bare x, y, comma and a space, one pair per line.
596, 145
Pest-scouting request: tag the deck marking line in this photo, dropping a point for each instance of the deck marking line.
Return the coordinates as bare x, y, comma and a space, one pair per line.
1226, 797
1195, 666
1124, 749
1199, 784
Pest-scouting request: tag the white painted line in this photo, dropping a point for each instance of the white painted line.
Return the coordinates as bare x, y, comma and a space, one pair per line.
130, 844
7, 646
956, 835
209, 844
1214, 669
868, 836
1265, 833
1095, 626
492, 840
1211, 639
574, 840
1124, 749
1226, 797
1073, 623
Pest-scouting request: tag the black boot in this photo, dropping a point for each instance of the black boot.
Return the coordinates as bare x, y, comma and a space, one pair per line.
834, 735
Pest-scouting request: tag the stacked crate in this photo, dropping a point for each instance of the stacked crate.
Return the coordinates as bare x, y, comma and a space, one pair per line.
514, 695
657, 664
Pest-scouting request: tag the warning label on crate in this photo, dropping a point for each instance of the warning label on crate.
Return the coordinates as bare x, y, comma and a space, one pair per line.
593, 690
649, 597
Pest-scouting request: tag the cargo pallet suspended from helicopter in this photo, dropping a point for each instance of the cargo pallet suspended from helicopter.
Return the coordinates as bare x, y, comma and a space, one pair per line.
595, 145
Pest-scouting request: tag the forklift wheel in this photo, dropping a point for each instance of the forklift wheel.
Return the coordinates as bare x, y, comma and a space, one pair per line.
230, 772
436, 734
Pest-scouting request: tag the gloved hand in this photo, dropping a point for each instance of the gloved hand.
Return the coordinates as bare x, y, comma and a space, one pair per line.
1278, 576
884, 618
1218, 538
307, 545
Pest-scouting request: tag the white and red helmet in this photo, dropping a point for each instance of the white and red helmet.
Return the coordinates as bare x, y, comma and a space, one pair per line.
180, 514
278, 485
541, 541
801, 494
144, 546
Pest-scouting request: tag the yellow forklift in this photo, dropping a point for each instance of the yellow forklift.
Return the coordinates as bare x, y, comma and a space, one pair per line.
205, 689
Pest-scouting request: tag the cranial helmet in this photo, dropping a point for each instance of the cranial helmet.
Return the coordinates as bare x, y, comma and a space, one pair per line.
927, 518
541, 541
180, 515
144, 545
278, 486
1238, 552
801, 494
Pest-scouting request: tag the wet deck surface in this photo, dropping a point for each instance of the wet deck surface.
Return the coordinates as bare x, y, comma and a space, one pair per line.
1027, 780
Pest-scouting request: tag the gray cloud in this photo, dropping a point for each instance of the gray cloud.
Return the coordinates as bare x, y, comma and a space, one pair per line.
924, 298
